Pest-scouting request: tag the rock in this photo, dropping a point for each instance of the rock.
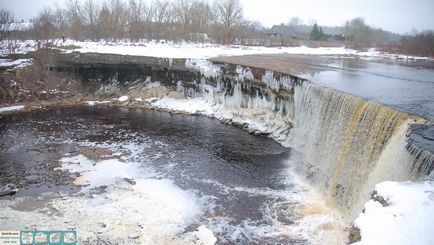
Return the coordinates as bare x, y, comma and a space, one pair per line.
354, 235
130, 181
379, 199
9, 189
149, 92
176, 95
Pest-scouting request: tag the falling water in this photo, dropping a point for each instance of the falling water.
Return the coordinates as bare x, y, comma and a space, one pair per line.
349, 144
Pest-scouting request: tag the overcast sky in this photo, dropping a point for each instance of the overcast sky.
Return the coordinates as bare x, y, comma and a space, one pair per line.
394, 15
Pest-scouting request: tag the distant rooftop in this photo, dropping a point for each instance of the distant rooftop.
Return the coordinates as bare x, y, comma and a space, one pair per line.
302, 31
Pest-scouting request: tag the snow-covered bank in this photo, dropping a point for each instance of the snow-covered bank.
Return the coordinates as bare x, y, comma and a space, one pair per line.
205, 51
168, 49
12, 63
401, 213
198, 51
11, 108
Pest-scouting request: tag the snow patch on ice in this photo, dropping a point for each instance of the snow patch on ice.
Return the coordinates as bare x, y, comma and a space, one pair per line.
407, 218
11, 108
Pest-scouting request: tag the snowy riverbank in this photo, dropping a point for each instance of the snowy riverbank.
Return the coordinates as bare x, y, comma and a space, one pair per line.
168, 49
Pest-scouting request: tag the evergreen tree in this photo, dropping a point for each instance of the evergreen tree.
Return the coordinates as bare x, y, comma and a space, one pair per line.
317, 33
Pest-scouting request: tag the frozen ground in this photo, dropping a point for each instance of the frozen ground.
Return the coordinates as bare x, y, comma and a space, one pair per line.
405, 217
165, 49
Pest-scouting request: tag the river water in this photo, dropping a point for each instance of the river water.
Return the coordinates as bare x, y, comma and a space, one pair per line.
190, 171
405, 85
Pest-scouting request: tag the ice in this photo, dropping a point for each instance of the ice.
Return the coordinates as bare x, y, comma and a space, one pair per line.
244, 73
11, 108
272, 82
92, 102
205, 67
11, 63
406, 219
205, 236
190, 105
107, 172
145, 209
123, 98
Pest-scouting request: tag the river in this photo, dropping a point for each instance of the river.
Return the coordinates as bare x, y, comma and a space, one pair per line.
190, 171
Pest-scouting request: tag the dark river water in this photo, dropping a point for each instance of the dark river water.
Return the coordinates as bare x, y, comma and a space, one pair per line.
244, 178
405, 85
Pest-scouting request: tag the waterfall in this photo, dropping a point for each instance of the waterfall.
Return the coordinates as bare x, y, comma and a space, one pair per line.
348, 144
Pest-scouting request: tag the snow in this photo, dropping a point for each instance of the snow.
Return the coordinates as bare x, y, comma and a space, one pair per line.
168, 208
191, 106
16, 26
205, 67
406, 220
11, 108
92, 102
11, 63
195, 50
17, 47
123, 98
255, 119
94, 174
172, 50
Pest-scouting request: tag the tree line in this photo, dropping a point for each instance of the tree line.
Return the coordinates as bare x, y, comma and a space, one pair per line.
196, 20
220, 21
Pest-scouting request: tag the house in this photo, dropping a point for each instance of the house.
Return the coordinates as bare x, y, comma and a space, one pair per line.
301, 31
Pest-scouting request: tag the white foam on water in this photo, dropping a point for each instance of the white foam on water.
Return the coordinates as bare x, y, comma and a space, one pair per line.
148, 211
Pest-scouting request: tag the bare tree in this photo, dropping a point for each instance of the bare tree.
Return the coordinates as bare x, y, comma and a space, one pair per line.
148, 17
201, 16
295, 21
6, 19
75, 15
358, 33
44, 27
229, 14
91, 14
60, 21
162, 18
105, 23
183, 11
135, 23
118, 18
